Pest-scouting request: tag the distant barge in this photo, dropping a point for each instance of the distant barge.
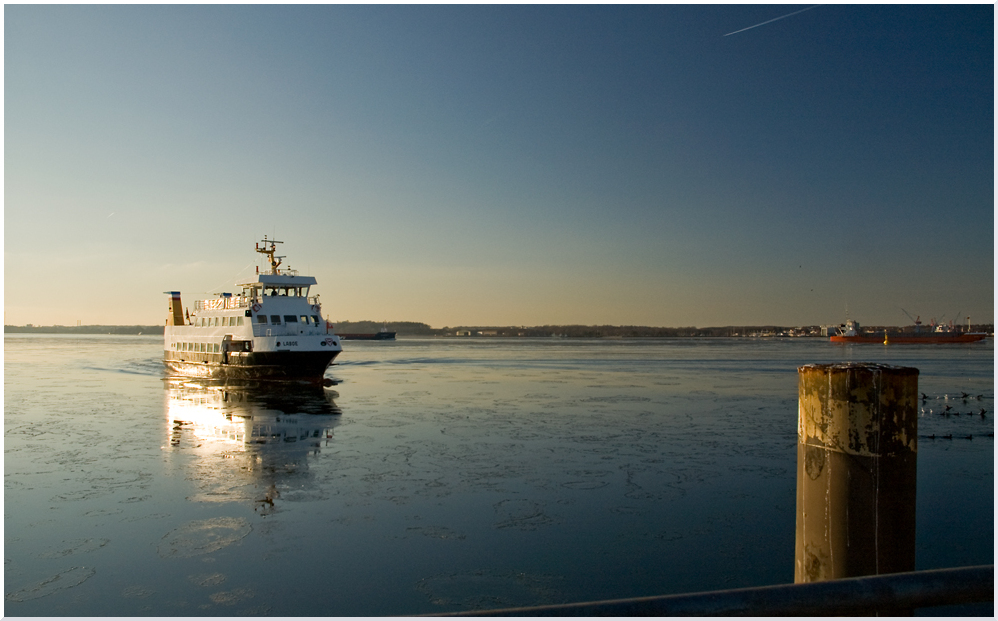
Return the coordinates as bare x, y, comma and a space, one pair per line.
374, 336
381, 335
850, 333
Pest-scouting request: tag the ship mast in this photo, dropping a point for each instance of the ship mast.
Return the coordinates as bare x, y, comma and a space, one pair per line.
269, 248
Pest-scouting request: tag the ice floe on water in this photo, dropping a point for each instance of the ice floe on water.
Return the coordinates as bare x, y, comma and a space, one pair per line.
67, 579
203, 537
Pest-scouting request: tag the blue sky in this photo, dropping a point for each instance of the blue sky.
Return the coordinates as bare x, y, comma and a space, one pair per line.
500, 165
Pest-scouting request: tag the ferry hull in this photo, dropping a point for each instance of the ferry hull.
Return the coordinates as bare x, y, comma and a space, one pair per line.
909, 338
308, 366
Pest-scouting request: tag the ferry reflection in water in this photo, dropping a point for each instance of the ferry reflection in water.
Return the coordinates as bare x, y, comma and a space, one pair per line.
250, 440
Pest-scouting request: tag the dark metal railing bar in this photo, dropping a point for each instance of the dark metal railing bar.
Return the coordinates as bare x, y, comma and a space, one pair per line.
849, 596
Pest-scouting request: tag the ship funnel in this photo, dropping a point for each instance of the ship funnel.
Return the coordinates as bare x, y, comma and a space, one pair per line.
175, 315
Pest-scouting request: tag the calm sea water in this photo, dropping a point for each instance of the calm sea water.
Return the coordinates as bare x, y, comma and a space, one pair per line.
441, 475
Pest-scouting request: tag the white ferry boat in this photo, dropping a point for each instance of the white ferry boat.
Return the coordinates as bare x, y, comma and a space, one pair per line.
273, 329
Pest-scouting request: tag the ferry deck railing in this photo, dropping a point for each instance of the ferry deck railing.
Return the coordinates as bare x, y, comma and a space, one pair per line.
222, 303
890, 594
238, 301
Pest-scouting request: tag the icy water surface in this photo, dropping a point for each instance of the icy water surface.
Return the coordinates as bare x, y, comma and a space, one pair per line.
441, 475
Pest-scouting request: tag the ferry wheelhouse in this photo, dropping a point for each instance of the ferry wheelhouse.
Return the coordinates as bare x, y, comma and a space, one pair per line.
272, 329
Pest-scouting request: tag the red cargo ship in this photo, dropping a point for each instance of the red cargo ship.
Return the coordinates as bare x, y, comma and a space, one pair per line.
850, 333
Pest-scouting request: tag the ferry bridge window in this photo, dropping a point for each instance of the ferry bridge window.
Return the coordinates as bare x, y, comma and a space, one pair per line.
315, 320
275, 319
216, 348
239, 321
304, 319
290, 319
261, 319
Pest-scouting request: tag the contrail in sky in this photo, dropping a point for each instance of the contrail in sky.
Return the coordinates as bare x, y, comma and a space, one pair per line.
772, 20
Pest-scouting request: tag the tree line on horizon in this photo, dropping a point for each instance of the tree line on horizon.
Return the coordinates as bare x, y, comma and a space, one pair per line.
414, 328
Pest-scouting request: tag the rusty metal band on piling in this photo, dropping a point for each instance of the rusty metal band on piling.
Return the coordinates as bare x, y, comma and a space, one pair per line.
849, 596
856, 460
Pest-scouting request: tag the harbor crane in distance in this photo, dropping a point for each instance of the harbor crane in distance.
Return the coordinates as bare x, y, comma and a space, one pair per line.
917, 320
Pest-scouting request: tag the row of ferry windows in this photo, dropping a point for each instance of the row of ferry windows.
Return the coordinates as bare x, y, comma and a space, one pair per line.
276, 319
206, 322
208, 348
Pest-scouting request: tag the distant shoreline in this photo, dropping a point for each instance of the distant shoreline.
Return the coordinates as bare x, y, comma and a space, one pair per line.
404, 329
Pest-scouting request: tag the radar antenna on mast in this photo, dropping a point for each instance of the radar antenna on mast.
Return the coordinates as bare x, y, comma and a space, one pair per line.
270, 248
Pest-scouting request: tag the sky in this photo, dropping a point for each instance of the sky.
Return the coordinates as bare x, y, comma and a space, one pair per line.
504, 165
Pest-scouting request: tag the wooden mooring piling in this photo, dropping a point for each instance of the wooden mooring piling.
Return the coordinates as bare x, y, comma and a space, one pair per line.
857, 443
